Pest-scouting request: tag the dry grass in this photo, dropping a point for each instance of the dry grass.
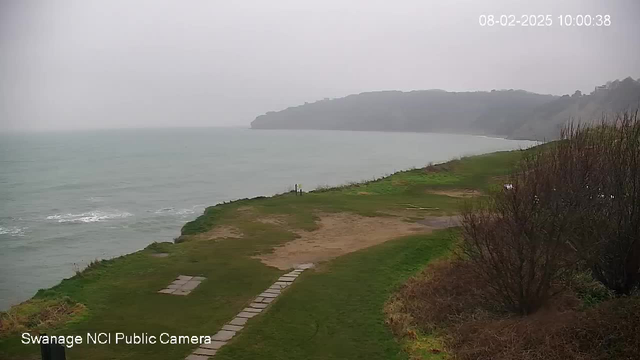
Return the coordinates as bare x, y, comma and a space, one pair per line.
447, 299
218, 232
446, 293
38, 314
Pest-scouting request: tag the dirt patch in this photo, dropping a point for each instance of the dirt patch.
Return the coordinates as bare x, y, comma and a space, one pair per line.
160, 255
273, 220
456, 193
219, 232
364, 193
340, 234
245, 208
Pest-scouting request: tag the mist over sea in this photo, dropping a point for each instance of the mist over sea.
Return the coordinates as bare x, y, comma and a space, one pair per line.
69, 198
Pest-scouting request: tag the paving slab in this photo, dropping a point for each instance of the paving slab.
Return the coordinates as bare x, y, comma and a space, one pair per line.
196, 357
205, 351
198, 278
235, 328
248, 309
276, 287
268, 300
258, 299
179, 282
246, 314
190, 285
283, 283
174, 286
268, 295
181, 292
166, 291
238, 321
224, 335
214, 345
287, 278
184, 277
272, 291
258, 306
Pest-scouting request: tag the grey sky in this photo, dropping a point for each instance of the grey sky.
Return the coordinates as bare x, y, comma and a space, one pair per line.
136, 63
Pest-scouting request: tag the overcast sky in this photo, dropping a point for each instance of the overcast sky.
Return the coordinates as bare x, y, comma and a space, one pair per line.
133, 63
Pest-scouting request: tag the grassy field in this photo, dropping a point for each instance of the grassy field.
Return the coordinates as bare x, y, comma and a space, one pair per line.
332, 312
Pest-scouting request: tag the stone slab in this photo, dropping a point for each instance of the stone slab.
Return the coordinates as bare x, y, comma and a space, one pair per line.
237, 321
272, 291
181, 292
198, 278
246, 314
196, 357
268, 300
258, 306
258, 299
283, 283
254, 310
184, 277
268, 295
235, 328
190, 285
167, 291
214, 345
287, 278
179, 282
174, 286
292, 274
224, 335
205, 351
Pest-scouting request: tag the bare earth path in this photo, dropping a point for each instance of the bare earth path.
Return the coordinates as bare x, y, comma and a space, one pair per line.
338, 234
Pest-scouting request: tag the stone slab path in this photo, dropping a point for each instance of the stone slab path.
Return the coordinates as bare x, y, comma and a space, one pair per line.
183, 285
259, 304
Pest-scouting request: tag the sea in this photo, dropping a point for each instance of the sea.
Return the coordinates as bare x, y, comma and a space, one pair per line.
67, 198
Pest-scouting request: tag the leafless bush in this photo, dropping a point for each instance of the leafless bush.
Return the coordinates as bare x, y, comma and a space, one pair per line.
574, 200
517, 240
609, 155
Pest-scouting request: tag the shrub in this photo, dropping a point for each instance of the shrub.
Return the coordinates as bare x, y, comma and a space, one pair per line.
517, 239
600, 169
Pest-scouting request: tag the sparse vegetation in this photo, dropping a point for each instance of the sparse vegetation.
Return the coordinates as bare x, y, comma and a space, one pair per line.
549, 264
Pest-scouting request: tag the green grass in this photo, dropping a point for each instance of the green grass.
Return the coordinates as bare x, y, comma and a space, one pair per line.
334, 312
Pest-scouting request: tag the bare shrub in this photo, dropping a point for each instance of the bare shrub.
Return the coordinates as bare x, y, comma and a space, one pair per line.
599, 169
617, 240
516, 240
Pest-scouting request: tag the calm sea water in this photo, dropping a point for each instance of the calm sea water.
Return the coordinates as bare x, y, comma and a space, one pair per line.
69, 198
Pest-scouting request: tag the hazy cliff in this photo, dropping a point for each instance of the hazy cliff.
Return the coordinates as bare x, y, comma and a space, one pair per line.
509, 113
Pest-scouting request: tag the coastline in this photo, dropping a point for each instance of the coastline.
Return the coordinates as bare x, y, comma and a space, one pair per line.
227, 243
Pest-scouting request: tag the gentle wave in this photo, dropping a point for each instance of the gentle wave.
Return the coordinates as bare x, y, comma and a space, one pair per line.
174, 211
88, 217
12, 231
